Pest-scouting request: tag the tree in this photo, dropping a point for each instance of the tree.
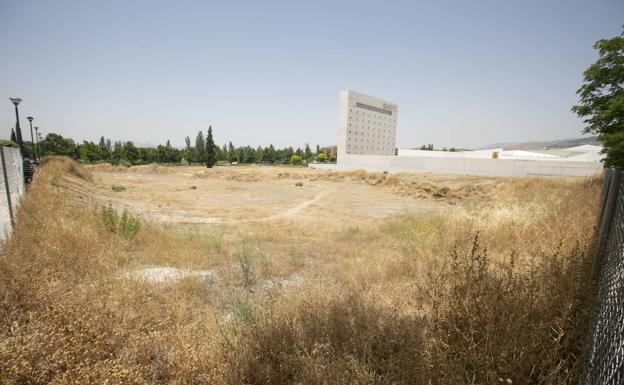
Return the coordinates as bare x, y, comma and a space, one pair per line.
211, 153
602, 99
90, 152
130, 152
117, 153
308, 153
322, 157
269, 154
200, 147
231, 153
13, 137
104, 148
295, 159
55, 144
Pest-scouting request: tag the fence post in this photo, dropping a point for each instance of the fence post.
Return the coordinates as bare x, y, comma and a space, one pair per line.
612, 188
6, 187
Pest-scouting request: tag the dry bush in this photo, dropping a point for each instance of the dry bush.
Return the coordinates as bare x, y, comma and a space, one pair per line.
329, 339
499, 322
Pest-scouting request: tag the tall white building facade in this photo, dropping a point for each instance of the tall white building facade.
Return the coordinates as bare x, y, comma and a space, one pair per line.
367, 125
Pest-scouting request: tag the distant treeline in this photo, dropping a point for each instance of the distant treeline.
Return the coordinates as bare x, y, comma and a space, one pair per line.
202, 150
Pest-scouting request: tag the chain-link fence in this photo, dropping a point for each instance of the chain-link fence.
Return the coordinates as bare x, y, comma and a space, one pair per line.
606, 357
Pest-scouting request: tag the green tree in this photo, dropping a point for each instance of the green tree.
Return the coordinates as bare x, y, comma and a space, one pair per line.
13, 137
602, 99
117, 153
269, 154
322, 157
307, 154
295, 159
130, 152
90, 152
200, 147
54, 144
231, 153
104, 148
211, 153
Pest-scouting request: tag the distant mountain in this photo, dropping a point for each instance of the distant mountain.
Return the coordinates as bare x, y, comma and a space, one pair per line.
528, 146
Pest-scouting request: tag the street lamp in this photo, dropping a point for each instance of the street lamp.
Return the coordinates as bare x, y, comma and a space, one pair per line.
18, 131
38, 148
32, 139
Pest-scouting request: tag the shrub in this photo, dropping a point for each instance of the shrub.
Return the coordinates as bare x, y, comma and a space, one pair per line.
508, 322
322, 157
193, 187
295, 159
337, 339
118, 188
126, 226
299, 184
8, 143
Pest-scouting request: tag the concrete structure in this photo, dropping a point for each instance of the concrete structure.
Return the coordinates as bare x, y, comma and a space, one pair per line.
367, 125
15, 177
367, 141
463, 165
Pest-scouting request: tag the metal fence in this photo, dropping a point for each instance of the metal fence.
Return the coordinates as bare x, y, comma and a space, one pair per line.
606, 357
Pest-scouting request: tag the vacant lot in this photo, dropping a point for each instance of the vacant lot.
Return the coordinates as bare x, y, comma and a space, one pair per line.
197, 195
278, 275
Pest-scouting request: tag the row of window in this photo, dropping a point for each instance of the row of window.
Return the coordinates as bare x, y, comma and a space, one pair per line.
367, 131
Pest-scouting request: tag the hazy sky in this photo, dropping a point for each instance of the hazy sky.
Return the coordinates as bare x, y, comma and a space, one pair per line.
464, 73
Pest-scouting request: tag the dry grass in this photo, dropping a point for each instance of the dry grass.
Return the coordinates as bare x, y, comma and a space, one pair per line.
403, 300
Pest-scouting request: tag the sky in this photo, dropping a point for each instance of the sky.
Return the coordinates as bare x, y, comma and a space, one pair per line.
464, 73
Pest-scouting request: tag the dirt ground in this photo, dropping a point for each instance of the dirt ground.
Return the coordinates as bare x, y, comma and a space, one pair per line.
235, 194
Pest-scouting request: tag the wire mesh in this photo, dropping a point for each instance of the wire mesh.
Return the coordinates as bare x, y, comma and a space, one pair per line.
606, 356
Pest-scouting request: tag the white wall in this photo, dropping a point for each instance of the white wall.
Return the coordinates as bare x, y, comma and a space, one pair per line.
464, 166
15, 176
485, 154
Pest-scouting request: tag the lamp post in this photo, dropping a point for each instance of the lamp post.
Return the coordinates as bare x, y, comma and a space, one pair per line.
32, 139
18, 131
39, 139
38, 152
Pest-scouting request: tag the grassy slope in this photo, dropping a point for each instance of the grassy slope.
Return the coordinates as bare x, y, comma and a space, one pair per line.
406, 300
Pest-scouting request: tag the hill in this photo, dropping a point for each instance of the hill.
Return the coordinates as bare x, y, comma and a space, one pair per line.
544, 145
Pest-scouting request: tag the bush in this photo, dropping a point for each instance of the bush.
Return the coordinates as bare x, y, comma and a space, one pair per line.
299, 184
505, 322
8, 143
126, 226
322, 157
332, 158
118, 188
295, 159
338, 339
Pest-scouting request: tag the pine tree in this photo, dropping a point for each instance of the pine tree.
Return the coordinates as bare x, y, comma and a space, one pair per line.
211, 154
13, 137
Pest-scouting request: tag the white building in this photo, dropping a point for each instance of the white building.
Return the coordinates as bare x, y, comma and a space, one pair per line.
367, 141
367, 125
